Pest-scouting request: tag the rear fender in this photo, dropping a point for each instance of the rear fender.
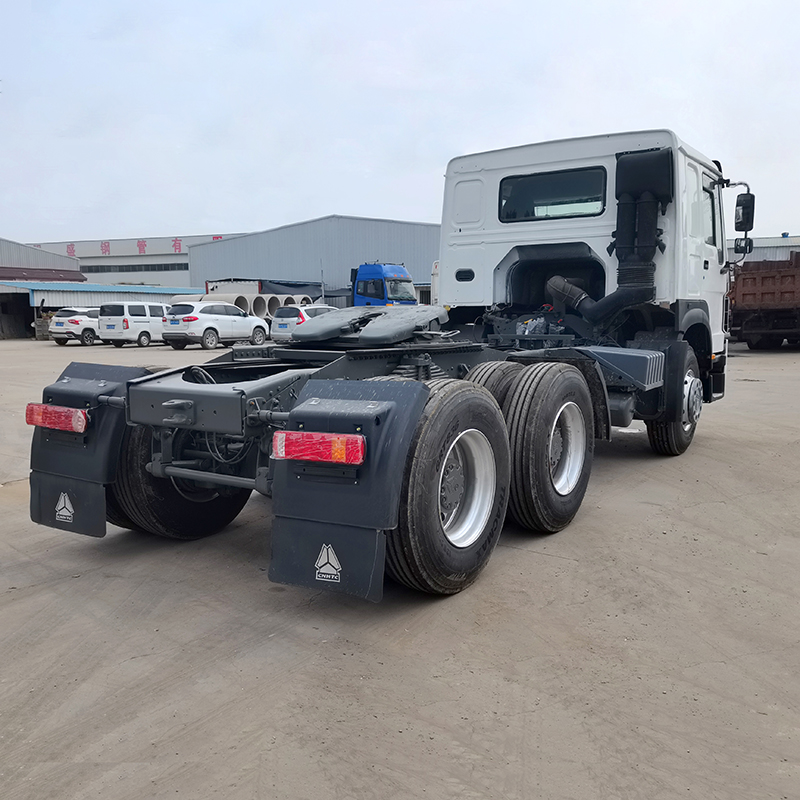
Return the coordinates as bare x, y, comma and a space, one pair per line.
69, 471
321, 508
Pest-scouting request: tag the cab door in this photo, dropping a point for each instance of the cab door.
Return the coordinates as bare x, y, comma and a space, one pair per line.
706, 249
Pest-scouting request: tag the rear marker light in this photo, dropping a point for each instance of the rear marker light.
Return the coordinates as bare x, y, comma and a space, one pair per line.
74, 321
332, 448
57, 418
190, 319
125, 324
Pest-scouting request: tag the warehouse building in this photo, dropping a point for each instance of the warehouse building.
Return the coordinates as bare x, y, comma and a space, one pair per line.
18, 262
768, 248
318, 250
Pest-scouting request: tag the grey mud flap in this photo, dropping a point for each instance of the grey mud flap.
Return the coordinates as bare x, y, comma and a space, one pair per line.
68, 503
329, 519
332, 557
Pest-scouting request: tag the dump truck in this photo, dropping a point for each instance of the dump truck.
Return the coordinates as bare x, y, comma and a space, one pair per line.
765, 303
581, 286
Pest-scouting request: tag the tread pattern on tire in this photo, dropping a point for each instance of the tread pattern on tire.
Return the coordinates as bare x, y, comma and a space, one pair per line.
155, 505
404, 561
523, 402
666, 437
496, 376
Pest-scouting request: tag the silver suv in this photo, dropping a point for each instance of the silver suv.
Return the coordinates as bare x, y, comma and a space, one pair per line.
210, 323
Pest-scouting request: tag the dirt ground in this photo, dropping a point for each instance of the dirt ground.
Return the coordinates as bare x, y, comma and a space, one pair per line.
650, 650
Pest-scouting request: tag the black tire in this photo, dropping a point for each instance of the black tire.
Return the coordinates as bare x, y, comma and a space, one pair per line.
210, 339
177, 345
88, 337
495, 376
117, 343
674, 438
449, 526
60, 342
114, 514
549, 411
157, 506
258, 337
143, 340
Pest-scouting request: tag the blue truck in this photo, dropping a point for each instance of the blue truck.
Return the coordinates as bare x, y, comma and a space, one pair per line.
382, 285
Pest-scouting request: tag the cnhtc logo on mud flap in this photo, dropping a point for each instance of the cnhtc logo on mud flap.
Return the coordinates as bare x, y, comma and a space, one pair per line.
64, 510
328, 566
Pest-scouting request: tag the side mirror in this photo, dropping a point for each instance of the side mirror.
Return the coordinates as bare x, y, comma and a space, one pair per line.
745, 212
743, 246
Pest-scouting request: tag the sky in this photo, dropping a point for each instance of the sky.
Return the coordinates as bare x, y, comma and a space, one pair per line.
125, 119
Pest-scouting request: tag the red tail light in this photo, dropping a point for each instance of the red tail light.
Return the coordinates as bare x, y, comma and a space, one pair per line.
189, 319
74, 321
57, 417
125, 324
334, 448
163, 319
300, 320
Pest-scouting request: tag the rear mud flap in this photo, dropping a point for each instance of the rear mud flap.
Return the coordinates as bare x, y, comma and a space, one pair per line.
336, 558
68, 503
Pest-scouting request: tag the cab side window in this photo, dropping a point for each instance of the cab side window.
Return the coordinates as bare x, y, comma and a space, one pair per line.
370, 288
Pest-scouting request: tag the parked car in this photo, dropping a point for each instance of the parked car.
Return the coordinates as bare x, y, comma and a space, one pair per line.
131, 322
209, 323
289, 317
74, 324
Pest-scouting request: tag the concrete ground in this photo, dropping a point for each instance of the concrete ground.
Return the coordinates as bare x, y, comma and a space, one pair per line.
650, 650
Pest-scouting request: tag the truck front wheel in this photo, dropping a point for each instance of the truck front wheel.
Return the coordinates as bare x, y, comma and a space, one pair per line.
673, 438
175, 509
551, 431
455, 491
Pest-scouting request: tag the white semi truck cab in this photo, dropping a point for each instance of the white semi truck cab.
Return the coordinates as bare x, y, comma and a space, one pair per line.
616, 239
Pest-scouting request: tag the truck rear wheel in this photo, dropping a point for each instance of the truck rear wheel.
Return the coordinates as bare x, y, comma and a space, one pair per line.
455, 491
551, 432
496, 376
174, 509
673, 438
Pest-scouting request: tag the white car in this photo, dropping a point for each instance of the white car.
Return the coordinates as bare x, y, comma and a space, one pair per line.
131, 322
289, 317
209, 323
75, 324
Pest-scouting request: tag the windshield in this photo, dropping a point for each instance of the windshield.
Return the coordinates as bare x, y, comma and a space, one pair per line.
397, 289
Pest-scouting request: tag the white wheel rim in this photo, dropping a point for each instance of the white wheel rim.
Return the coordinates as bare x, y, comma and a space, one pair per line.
466, 488
566, 448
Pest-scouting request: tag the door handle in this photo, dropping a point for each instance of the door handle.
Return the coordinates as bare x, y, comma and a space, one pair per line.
705, 264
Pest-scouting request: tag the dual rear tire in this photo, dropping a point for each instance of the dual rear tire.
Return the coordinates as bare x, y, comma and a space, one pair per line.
469, 462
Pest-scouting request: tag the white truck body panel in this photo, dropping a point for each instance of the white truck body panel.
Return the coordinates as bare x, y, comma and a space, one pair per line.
474, 238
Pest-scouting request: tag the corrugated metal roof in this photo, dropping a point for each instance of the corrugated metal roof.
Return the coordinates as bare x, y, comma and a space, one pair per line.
35, 274
13, 254
46, 286
89, 295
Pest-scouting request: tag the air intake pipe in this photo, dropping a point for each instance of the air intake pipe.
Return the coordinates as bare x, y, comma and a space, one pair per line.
595, 311
644, 183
